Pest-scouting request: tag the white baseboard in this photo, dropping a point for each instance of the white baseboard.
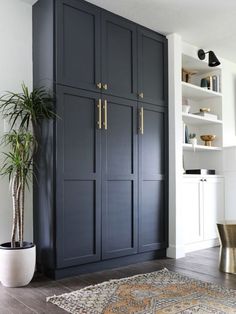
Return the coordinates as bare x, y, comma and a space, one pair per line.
201, 245
175, 251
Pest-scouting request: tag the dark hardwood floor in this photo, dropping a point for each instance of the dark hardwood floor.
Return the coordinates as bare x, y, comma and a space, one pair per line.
201, 265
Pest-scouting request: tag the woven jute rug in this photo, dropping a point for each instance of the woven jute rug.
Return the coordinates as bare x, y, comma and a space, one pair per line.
158, 292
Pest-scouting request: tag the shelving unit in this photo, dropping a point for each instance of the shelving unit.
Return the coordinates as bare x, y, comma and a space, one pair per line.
203, 199
189, 118
200, 148
197, 93
197, 97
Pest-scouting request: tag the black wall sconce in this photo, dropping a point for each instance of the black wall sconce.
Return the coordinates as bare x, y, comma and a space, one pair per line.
212, 61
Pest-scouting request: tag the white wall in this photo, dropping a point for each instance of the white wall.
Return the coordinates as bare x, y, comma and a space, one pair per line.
229, 158
229, 136
229, 102
15, 67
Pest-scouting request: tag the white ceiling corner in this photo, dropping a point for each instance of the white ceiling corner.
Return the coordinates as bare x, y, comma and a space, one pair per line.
208, 24
32, 2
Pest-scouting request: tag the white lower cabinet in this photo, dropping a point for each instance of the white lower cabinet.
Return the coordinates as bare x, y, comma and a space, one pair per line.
203, 206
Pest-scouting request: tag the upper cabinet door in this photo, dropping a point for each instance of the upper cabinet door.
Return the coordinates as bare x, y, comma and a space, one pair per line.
152, 67
119, 56
78, 44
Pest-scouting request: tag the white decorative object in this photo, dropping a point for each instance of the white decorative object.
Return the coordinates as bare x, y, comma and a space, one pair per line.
193, 141
186, 108
17, 266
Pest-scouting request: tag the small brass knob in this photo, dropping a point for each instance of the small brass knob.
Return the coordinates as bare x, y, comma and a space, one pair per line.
141, 95
104, 86
99, 85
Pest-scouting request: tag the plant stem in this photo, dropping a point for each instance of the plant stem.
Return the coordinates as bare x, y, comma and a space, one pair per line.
22, 210
18, 200
14, 224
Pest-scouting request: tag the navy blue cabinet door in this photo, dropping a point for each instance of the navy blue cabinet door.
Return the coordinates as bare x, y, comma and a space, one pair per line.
78, 44
152, 67
78, 177
153, 147
119, 56
119, 178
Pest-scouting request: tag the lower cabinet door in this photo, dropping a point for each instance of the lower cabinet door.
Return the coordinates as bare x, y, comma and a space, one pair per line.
119, 177
213, 195
203, 206
192, 210
153, 185
78, 177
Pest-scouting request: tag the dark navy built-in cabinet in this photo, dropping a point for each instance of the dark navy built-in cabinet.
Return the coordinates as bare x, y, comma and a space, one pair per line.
101, 197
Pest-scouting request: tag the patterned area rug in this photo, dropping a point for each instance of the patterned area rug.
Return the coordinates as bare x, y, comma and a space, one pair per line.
158, 292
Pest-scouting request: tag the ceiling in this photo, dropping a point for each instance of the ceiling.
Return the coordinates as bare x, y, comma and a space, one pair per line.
30, 1
207, 24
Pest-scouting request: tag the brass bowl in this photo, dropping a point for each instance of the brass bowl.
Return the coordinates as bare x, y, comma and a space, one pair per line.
205, 110
208, 139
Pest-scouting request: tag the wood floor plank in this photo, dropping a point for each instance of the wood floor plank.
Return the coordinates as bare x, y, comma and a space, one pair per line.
202, 265
10, 305
35, 297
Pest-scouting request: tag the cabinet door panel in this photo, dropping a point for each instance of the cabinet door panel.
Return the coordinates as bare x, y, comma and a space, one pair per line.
119, 56
153, 218
153, 179
78, 177
79, 217
119, 220
213, 206
79, 120
119, 180
192, 210
152, 67
78, 44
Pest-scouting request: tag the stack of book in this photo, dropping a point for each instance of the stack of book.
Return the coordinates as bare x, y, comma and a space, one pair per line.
213, 83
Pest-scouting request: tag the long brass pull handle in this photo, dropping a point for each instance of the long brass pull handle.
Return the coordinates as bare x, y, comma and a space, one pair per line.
141, 128
99, 85
99, 106
104, 86
105, 114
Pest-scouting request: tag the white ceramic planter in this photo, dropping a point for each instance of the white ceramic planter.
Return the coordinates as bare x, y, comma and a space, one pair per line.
17, 265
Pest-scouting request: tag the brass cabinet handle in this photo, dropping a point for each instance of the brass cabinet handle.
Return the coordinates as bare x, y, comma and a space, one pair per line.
99, 85
104, 86
99, 106
141, 95
105, 114
141, 123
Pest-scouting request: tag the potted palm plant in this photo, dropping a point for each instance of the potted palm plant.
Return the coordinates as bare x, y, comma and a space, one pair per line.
24, 112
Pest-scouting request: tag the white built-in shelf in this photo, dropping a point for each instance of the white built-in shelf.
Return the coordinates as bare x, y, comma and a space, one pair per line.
197, 93
194, 119
200, 148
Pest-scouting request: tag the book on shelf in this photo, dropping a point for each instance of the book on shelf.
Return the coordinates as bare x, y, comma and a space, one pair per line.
213, 83
207, 115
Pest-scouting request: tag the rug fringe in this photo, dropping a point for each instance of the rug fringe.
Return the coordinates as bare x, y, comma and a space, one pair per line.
105, 283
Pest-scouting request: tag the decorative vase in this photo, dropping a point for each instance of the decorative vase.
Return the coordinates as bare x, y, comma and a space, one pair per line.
17, 265
193, 141
186, 108
204, 83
